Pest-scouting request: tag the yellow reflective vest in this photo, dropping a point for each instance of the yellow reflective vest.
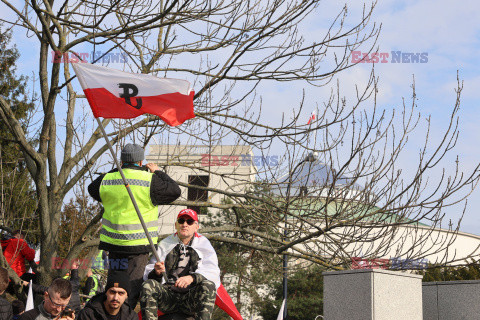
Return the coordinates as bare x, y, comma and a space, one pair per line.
120, 223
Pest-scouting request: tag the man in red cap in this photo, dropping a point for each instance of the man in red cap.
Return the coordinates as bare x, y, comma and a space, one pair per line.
193, 276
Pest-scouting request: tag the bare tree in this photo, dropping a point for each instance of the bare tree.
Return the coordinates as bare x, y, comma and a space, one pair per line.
228, 50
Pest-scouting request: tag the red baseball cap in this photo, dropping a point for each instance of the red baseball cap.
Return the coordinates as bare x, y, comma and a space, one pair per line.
188, 212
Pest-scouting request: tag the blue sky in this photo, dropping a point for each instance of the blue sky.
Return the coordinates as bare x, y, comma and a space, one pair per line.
450, 34
448, 31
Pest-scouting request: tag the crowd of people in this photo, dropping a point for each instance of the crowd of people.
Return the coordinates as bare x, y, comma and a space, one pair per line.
182, 284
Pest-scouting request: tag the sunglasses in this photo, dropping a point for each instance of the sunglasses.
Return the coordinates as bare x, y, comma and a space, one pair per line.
189, 221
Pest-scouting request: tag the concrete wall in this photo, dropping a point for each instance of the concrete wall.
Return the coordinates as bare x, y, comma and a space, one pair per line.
451, 300
372, 295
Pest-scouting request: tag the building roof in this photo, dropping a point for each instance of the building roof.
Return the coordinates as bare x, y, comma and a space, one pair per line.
314, 176
317, 208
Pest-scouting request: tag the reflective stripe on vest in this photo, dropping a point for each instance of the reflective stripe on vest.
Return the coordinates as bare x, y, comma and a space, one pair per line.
120, 223
131, 182
128, 236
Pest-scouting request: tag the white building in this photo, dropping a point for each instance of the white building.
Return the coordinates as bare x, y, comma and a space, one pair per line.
232, 168
404, 241
226, 168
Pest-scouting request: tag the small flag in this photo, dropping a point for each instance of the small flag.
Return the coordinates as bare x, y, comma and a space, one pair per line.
225, 303
116, 94
29, 305
312, 117
280, 314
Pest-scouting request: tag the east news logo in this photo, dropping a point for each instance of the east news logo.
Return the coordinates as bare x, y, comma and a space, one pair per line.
392, 57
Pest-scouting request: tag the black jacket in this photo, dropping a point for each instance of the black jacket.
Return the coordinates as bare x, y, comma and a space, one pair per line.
30, 315
163, 190
6, 312
75, 299
94, 310
37, 312
171, 263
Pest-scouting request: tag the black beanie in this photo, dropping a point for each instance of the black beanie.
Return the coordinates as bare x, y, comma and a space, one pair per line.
118, 279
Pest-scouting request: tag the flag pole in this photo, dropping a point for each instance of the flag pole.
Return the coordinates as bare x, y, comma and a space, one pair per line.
152, 246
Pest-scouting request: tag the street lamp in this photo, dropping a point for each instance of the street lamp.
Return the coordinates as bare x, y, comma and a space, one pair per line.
311, 157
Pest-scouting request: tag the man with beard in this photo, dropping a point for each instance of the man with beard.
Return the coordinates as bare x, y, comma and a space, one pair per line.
111, 304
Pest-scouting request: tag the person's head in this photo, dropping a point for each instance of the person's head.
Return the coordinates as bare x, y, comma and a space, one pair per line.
89, 272
186, 224
116, 291
132, 153
57, 296
18, 234
3, 279
18, 307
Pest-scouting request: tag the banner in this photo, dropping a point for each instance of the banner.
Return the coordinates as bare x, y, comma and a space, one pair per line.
116, 94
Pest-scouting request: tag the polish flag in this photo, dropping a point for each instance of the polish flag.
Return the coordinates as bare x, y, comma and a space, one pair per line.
116, 94
281, 312
224, 302
312, 117
29, 305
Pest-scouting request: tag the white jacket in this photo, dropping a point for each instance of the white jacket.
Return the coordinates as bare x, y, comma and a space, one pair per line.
207, 265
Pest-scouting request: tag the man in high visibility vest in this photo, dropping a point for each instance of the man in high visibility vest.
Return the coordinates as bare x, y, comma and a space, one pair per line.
122, 234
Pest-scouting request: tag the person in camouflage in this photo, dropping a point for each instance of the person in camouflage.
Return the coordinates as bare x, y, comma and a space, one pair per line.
193, 276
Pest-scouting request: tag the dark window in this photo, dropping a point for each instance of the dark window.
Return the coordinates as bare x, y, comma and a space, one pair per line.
303, 191
195, 194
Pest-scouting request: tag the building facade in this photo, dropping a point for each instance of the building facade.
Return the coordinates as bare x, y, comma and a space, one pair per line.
227, 169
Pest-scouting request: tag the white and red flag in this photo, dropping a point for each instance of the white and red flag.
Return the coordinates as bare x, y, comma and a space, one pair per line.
281, 312
312, 117
117, 94
29, 305
224, 302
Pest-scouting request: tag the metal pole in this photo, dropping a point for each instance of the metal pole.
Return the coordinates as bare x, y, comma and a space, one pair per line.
152, 246
310, 158
285, 263
285, 257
